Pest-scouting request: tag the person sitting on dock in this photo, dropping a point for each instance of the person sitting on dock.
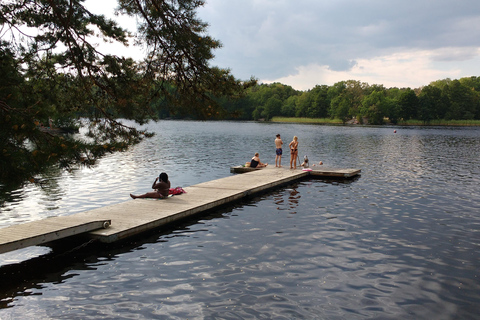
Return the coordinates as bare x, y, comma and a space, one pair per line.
161, 188
256, 163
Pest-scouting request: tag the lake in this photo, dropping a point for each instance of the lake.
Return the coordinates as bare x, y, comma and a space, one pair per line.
402, 241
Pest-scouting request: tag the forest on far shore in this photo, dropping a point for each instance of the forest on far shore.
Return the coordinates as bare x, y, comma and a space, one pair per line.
357, 101
56, 77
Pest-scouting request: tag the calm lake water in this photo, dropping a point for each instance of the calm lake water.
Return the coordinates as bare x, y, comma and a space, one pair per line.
402, 241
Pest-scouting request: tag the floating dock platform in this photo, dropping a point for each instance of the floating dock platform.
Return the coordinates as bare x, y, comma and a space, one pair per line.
47, 230
318, 171
120, 221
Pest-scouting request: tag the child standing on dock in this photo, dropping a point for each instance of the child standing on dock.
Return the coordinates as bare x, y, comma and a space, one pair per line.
161, 188
278, 151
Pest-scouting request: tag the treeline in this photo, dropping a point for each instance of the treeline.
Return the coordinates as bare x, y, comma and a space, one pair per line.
354, 100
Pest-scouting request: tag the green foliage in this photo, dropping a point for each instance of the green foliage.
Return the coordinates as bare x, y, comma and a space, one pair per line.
320, 102
268, 100
374, 107
272, 106
432, 104
348, 100
307, 120
408, 102
52, 72
288, 108
304, 102
464, 102
339, 108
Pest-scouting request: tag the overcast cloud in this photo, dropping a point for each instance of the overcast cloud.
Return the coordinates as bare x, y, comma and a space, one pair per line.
308, 42
303, 43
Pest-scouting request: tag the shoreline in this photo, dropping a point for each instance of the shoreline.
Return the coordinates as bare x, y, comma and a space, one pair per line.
410, 123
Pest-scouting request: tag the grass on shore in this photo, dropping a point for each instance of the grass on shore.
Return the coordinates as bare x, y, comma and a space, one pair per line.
441, 123
401, 123
307, 120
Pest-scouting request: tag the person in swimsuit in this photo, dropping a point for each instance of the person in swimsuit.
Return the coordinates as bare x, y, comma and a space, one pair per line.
161, 188
278, 151
293, 152
256, 163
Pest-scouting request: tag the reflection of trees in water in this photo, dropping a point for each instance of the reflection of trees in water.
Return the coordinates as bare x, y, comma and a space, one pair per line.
27, 201
47, 183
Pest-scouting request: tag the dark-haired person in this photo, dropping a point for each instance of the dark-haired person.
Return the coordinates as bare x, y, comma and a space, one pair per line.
161, 185
278, 151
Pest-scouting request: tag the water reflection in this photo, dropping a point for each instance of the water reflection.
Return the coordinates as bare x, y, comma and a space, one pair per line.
401, 241
292, 198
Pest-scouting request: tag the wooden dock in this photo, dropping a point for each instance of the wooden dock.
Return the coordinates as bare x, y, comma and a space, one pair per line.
47, 230
318, 171
136, 216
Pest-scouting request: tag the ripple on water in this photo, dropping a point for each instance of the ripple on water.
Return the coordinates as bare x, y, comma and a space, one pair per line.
398, 242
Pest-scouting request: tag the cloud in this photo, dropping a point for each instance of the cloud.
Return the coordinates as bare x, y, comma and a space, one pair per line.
406, 69
395, 43
308, 42
456, 54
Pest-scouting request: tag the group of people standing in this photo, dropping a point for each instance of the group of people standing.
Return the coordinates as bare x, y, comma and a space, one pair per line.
293, 146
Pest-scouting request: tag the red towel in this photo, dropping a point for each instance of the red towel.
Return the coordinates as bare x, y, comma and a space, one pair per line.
175, 191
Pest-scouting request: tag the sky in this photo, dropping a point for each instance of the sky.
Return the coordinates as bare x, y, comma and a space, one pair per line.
304, 43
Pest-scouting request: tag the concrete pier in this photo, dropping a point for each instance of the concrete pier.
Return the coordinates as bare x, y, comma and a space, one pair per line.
136, 216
